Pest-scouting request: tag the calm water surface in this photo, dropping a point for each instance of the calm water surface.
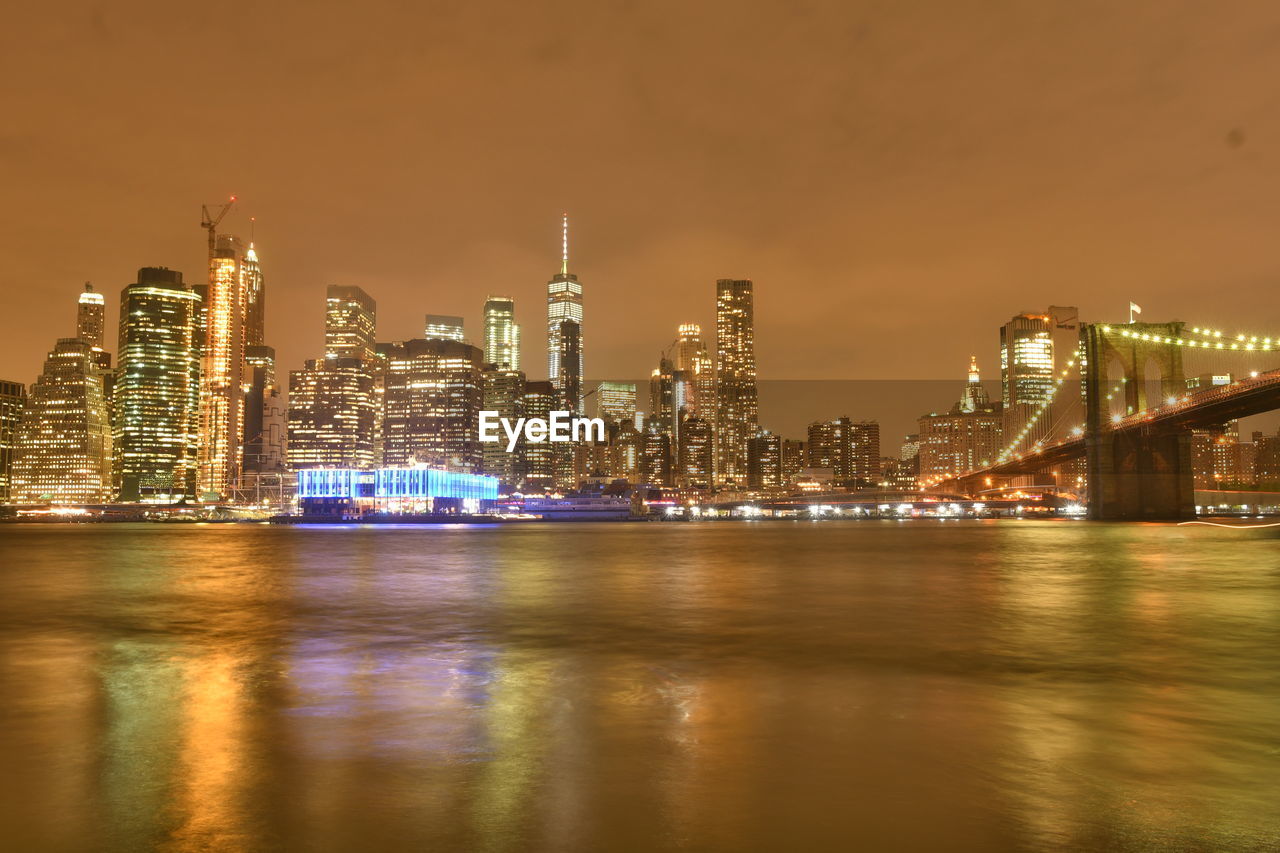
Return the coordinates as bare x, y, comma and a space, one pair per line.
601, 687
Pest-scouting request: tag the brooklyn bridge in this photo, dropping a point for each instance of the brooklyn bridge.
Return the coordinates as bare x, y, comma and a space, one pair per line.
1125, 406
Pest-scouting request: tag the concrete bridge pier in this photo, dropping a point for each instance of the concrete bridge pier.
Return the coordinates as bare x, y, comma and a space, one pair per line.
1136, 477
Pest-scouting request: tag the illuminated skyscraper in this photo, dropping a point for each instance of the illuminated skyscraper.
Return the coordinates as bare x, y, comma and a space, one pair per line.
656, 459
431, 407
255, 299
570, 384
91, 318
350, 323
737, 412
1034, 351
504, 393
157, 392
540, 400
333, 415
223, 374
697, 391
264, 415
501, 333
695, 453
13, 398
443, 327
264, 427
850, 448
764, 461
625, 444
616, 402
62, 448
663, 406
91, 328
335, 403
564, 329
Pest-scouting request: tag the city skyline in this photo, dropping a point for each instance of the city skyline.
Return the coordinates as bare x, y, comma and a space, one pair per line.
896, 412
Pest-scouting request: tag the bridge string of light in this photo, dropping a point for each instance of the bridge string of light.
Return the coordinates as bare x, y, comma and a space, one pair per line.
1207, 339
1040, 410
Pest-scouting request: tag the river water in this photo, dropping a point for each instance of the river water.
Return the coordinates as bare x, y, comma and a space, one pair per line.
790, 686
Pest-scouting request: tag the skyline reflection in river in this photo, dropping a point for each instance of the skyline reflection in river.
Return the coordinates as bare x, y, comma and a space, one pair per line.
771, 686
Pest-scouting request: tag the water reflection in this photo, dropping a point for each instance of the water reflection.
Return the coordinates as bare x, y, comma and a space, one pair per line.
770, 686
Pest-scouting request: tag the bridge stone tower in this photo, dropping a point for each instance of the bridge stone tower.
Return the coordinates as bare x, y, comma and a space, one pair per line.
1135, 474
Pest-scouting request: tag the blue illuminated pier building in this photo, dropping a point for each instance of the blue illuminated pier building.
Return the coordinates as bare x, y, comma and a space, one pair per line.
351, 493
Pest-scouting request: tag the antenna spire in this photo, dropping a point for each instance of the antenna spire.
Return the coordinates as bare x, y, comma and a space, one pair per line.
564, 246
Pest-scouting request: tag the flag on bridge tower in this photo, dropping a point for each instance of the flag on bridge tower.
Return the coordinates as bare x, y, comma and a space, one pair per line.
1134, 309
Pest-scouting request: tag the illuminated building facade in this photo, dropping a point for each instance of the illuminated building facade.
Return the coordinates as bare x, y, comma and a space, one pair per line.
501, 333
1034, 351
794, 458
223, 371
264, 416
737, 409
62, 450
764, 461
350, 323
570, 384
695, 371
1217, 455
13, 399
905, 472
255, 299
91, 318
157, 392
656, 459
850, 448
663, 406
444, 327
431, 404
348, 491
332, 415
564, 330
504, 393
695, 454
540, 400
616, 402
967, 437
1266, 462
625, 445
91, 327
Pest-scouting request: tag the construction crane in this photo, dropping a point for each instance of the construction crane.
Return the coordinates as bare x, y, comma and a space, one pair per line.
210, 223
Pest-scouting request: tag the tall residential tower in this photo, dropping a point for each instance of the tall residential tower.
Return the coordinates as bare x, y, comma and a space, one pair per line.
223, 374
737, 407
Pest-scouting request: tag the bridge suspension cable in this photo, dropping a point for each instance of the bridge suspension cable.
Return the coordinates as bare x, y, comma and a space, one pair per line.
1009, 451
1206, 339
